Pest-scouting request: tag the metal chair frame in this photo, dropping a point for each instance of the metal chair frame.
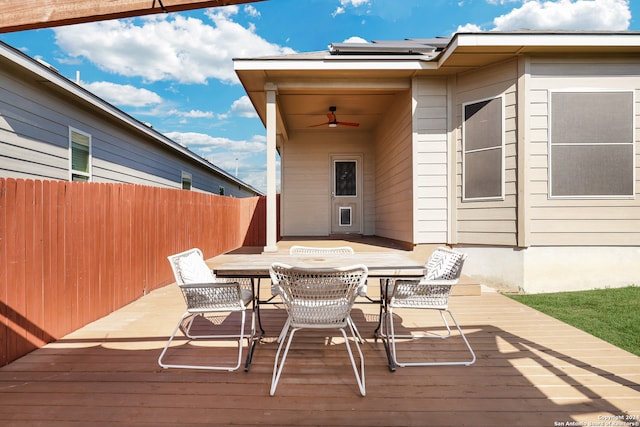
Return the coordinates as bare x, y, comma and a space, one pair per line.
318, 299
313, 250
219, 296
426, 294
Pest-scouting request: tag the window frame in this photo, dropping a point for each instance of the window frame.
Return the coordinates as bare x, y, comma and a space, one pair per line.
500, 146
550, 145
186, 178
73, 172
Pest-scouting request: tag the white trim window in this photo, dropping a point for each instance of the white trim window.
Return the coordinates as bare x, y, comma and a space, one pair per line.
186, 180
591, 144
483, 149
79, 155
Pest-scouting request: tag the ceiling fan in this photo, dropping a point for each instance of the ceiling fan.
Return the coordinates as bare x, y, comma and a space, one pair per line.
333, 121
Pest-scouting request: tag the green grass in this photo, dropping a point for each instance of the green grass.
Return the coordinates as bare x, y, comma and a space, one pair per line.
612, 315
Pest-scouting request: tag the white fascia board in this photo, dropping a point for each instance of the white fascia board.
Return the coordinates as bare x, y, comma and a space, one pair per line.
577, 39
333, 63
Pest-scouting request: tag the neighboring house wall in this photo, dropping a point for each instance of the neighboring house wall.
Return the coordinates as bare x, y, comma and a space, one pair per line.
34, 141
306, 179
393, 169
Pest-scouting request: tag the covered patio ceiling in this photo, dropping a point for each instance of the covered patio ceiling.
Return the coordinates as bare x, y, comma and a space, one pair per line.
304, 96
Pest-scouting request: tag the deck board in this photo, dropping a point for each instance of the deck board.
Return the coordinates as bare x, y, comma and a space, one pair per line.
532, 370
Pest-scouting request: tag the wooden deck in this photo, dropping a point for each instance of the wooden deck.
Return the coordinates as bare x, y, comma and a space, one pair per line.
531, 370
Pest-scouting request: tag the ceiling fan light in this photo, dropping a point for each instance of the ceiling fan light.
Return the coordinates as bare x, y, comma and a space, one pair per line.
332, 125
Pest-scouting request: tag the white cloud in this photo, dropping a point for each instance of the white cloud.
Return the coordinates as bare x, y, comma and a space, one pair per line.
251, 11
495, 2
355, 3
344, 4
468, 28
193, 114
248, 156
594, 15
598, 15
204, 144
243, 107
123, 95
167, 47
355, 39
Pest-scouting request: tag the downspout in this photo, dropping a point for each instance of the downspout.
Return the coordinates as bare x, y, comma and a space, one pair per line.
523, 123
452, 166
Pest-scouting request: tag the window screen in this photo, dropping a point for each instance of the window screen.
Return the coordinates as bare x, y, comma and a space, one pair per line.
80, 148
591, 144
186, 181
482, 140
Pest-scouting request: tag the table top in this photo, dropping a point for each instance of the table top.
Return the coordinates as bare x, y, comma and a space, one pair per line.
387, 264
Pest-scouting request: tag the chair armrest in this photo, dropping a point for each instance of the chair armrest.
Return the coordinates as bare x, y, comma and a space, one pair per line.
212, 296
420, 293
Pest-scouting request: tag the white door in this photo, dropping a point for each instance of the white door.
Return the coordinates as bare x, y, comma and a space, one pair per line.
346, 195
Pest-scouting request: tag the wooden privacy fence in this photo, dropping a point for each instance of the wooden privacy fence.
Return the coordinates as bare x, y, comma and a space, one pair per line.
74, 252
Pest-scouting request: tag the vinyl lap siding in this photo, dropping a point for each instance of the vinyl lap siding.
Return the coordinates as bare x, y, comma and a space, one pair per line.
306, 180
33, 143
489, 222
394, 193
597, 222
431, 155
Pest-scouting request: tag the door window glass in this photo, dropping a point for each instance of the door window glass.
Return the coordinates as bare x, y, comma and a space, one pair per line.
345, 178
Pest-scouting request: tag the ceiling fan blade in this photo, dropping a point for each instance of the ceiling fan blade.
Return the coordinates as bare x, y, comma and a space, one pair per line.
318, 125
347, 124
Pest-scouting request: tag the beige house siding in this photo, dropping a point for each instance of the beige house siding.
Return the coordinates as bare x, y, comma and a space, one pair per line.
430, 122
489, 222
596, 222
306, 179
393, 208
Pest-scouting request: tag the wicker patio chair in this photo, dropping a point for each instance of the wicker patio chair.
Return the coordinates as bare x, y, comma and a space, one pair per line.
205, 294
431, 292
336, 250
318, 299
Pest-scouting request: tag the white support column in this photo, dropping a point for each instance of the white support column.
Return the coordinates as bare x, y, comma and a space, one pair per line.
272, 216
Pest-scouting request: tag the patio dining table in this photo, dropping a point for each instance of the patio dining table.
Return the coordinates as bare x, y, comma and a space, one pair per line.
381, 265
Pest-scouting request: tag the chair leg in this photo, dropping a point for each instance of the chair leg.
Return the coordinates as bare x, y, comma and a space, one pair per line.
188, 335
284, 331
356, 331
359, 376
394, 336
279, 364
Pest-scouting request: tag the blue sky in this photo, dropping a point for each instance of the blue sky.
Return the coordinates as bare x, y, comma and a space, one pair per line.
175, 71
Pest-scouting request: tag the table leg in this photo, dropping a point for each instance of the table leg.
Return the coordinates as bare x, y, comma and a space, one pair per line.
381, 331
256, 311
